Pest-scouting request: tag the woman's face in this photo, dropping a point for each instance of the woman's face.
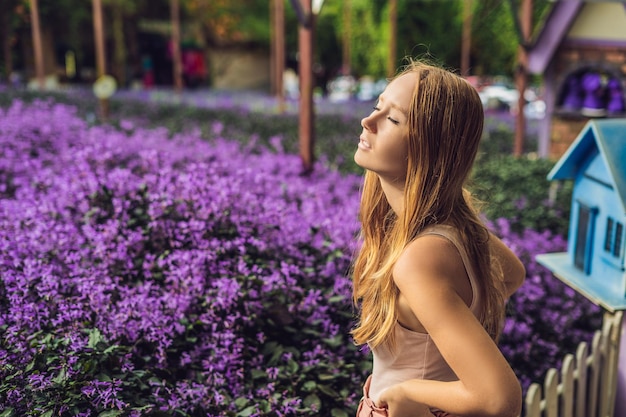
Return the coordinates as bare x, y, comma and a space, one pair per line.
383, 145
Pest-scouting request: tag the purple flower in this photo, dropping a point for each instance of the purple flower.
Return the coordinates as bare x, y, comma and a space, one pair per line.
162, 269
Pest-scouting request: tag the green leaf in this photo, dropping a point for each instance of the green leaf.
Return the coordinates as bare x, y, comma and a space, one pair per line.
265, 406
62, 376
110, 413
327, 390
95, 337
110, 349
145, 407
241, 402
247, 411
258, 373
334, 341
336, 412
309, 386
292, 366
312, 400
8, 412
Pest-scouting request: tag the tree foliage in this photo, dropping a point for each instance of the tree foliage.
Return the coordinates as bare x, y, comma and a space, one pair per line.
430, 27
493, 25
231, 21
424, 27
495, 39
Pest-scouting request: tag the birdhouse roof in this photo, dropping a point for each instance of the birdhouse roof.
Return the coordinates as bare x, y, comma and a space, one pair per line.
608, 136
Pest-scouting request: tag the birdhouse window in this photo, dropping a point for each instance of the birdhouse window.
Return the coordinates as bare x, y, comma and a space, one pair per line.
608, 238
617, 245
614, 237
584, 237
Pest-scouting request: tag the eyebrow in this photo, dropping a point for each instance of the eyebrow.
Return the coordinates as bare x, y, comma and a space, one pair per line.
395, 106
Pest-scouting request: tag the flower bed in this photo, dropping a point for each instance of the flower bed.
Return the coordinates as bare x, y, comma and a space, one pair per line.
144, 274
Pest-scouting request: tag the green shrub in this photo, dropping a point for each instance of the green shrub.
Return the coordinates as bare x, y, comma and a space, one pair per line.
518, 189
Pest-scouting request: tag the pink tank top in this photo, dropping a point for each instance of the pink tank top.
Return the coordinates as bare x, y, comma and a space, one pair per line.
415, 355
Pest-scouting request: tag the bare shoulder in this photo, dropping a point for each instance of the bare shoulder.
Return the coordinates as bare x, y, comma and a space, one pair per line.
429, 257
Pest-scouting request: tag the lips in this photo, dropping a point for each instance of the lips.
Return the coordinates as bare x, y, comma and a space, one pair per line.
363, 144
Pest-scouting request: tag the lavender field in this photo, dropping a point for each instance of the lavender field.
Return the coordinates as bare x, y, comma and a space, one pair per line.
150, 272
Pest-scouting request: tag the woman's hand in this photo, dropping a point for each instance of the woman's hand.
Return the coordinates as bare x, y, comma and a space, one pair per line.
398, 406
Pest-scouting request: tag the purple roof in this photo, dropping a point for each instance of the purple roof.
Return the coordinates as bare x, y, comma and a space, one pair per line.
554, 29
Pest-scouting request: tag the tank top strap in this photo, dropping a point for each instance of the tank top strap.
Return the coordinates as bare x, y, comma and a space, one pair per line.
452, 235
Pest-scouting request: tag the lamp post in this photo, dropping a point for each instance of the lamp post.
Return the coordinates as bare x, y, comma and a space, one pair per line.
306, 10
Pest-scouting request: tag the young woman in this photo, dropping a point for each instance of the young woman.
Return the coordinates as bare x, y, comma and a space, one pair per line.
430, 280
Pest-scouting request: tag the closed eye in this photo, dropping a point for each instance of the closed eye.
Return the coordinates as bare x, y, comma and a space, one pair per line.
391, 119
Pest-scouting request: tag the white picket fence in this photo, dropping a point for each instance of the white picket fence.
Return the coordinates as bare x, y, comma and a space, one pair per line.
588, 380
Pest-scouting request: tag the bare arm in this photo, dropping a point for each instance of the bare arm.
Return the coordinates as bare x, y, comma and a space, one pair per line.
426, 275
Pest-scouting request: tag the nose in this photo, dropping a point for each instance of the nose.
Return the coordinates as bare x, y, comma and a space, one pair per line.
368, 123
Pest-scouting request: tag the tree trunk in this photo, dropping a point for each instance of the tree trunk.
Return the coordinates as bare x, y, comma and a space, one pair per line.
278, 51
466, 45
98, 28
305, 73
521, 76
393, 37
37, 47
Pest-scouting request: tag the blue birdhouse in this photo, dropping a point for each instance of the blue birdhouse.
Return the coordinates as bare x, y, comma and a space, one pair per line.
594, 261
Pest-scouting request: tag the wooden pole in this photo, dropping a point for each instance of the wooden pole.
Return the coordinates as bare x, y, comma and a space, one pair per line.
98, 28
37, 44
393, 37
521, 76
278, 51
466, 43
273, 69
620, 401
176, 53
305, 69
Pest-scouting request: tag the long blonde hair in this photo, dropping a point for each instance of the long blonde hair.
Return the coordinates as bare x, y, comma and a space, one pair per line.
445, 126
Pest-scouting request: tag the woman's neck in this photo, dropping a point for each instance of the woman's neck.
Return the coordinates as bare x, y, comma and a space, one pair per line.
394, 193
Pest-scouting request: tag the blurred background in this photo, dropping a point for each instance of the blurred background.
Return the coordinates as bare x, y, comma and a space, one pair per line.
232, 44
560, 62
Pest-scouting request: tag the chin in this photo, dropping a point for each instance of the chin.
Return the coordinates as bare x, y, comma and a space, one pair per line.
358, 159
